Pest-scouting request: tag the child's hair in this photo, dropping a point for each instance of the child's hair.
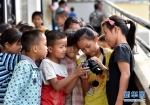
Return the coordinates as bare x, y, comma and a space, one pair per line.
72, 20
62, 2
37, 13
25, 28
71, 9
30, 38
96, 6
54, 35
21, 23
122, 24
11, 36
62, 14
102, 38
89, 26
84, 32
4, 26
70, 37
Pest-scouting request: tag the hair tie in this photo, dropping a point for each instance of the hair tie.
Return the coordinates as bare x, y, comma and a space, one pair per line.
111, 22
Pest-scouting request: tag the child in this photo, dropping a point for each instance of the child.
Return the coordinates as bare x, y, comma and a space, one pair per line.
62, 5
26, 28
72, 14
4, 26
61, 17
121, 63
55, 76
9, 57
72, 23
70, 62
86, 39
102, 42
20, 24
25, 85
37, 19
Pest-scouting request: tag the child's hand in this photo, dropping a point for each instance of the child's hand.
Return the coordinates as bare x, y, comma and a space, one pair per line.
68, 96
98, 62
84, 76
81, 71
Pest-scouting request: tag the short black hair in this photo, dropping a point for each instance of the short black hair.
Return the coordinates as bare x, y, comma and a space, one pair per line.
72, 9
4, 26
96, 6
11, 36
54, 35
25, 28
62, 14
62, 2
70, 37
37, 13
30, 38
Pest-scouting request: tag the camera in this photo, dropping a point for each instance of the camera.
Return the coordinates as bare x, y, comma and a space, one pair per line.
93, 66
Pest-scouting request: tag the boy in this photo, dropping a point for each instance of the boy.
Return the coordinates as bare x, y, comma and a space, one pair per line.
72, 14
61, 18
25, 85
37, 20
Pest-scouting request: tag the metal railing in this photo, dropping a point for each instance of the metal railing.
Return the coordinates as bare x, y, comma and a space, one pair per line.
111, 9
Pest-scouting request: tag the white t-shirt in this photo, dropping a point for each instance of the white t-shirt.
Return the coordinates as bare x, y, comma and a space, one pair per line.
50, 69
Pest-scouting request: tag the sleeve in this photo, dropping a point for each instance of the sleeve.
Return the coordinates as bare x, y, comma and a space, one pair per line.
47, 70
19, 80
121, 54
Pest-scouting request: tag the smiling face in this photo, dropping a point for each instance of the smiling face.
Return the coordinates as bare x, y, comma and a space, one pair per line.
72, 51
89, 47
110, 36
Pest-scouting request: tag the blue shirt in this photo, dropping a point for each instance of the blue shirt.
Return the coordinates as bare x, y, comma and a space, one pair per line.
7, 64
72, 14
25, 85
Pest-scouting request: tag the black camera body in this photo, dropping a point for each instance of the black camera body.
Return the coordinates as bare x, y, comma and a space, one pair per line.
93, 66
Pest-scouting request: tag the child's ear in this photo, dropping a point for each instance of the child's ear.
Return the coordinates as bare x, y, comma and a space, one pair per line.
7, 45
34, 48
96, 38
116, 29
50, 49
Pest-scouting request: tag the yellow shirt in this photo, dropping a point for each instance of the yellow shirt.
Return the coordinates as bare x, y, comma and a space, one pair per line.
97, 95
43, 29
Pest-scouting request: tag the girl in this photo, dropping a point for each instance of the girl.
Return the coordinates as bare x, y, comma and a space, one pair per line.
9, 57
72, 23
70, 62
121, 63
86, 39
55, 76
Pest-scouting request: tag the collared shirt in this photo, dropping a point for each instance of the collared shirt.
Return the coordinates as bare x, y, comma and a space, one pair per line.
77, 97
7, 63
25, 85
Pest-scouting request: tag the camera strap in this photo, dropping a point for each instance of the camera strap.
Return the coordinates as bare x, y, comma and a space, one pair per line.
104, 58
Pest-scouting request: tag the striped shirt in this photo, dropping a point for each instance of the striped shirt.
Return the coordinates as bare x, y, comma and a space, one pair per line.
77, 97
7, 64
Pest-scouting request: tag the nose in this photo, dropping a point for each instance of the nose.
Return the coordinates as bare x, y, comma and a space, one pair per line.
87, 51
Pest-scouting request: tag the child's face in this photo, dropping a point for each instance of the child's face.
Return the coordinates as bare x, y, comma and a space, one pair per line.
89, 47
42, 47
72, 51
60, 20
74, 26
59, 49
37, 21
14, 48
110, 36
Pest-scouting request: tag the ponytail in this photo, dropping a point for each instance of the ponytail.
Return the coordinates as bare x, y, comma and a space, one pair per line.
131, 34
